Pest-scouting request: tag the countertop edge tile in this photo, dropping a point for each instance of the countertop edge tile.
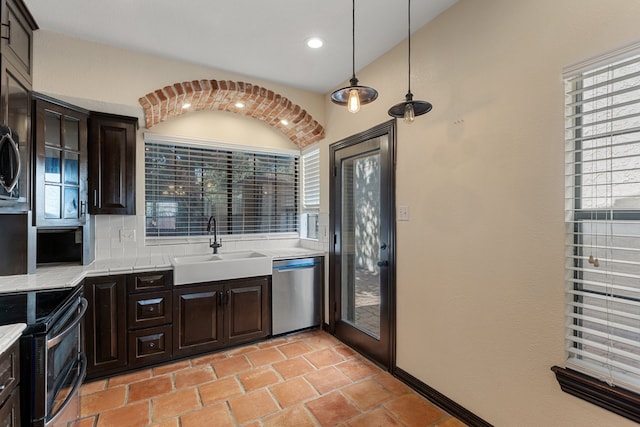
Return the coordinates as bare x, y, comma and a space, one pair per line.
9, 334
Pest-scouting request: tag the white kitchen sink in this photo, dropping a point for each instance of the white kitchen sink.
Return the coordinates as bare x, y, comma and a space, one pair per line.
213, 267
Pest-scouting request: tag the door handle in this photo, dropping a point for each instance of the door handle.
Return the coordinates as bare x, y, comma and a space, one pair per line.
383, 263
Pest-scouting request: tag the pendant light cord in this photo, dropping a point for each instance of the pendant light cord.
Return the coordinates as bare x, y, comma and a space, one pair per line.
409, 41
353, 38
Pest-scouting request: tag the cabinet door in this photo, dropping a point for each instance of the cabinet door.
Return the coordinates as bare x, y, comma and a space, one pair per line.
60, 134
149, 346
197, 319
247, 311
10, 410
17, 33
105, 325
112, 164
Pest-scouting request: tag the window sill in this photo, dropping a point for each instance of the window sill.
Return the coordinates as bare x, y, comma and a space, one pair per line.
614, 399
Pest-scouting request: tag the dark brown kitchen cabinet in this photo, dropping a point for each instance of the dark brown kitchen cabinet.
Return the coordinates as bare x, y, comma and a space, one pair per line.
60, 136
112, 164
247, 312
212, 315
105, 325
9, 387
198, 319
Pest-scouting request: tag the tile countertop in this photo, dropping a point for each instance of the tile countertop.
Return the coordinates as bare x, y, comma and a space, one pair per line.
58, 276
9, 334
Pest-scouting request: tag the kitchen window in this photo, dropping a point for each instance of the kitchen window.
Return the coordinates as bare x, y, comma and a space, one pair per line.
602, 196
247, 190
310, 193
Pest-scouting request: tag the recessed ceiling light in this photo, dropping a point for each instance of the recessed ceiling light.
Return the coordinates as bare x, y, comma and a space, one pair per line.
315, 42
186, 105
284, 122
239, 105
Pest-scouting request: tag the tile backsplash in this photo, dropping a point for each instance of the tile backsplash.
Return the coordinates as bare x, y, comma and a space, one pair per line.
122, 236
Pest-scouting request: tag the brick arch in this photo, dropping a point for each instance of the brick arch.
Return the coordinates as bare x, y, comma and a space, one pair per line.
259, 103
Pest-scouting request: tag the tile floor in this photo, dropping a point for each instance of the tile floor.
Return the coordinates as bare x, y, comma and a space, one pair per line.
307, 379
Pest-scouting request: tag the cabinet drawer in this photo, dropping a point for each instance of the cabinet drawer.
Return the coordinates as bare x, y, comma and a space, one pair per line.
155, 281
10, 410
148, 346
149, 309
9, 371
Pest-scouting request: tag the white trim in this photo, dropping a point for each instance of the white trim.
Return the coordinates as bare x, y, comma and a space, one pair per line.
197, 142
602, 59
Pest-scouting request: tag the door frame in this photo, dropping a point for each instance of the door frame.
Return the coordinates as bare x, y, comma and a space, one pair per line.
388, 213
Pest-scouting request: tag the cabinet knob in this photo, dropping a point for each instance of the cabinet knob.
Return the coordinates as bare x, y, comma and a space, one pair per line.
152, 345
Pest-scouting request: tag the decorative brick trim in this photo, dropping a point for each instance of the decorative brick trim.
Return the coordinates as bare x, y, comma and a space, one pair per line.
259, 103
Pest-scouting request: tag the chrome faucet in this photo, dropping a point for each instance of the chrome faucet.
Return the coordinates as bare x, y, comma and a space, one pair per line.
215, 244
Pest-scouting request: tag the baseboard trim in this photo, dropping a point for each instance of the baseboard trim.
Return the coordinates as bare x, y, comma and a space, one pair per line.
441, 400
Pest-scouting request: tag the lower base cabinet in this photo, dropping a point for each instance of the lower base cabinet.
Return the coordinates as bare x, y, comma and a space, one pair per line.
10, 387
142, 319
209, 316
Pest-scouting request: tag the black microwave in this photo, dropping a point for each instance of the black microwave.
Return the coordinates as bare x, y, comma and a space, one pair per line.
13, 157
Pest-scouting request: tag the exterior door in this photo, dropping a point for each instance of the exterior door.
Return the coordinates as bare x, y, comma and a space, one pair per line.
362, 221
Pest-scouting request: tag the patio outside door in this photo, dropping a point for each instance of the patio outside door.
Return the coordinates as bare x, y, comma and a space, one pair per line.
362, 255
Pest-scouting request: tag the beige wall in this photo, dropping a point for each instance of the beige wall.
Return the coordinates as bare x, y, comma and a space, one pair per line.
480, 263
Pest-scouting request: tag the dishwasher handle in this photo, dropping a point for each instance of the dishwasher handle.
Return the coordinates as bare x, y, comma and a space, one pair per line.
295, 265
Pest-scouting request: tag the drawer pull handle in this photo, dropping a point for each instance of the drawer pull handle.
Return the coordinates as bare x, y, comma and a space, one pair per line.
152, 345
3, 386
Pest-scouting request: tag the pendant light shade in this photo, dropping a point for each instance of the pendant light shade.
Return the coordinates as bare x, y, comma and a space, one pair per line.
354, 95
409, 109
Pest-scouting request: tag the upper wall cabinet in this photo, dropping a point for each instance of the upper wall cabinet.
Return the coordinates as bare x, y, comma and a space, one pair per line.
60, 135
112, 164
17, 33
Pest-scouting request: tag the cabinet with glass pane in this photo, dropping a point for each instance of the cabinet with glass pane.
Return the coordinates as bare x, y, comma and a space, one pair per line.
60, 135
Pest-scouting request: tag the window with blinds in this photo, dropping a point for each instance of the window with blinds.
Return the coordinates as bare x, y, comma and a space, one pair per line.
310, 193
246, 192
603, 220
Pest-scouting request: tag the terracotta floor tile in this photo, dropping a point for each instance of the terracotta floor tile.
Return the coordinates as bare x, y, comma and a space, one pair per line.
258, 378
320, 341
327, 379
272, 343
294, 349
293, 391
252, 406
265, 357
193, 376
92, 387
219, 390
174, 404
152, 387
100, 401
135, 415
376, 418
322, 358
208, 359
171, 422
392, 384
413, 410
243, 350
217, 415
171, 367
345, 351
293, 367
230, 366
332, 409
84, 422
296, 416
450, 422
357, 369
366, 394
131, 378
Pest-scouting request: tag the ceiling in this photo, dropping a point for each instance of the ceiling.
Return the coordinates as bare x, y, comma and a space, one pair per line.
264, 39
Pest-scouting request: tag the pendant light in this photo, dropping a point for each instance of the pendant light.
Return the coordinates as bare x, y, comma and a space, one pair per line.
409, 109
353, 96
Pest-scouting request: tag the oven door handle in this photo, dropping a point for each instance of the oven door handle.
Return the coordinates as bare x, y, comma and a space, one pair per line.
52, 342
74, 389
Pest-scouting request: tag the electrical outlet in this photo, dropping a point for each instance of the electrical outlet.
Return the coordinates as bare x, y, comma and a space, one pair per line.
403, 213
127, 236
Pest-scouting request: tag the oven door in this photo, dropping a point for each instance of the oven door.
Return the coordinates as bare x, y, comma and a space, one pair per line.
66, 366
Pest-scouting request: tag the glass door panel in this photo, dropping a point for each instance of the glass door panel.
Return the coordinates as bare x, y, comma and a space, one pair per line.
360, 243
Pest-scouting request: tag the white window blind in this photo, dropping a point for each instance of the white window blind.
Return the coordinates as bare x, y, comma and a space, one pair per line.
247, 192
311, 180
602, 196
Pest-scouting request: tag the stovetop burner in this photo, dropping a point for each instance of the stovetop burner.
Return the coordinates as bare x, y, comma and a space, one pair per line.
38, 308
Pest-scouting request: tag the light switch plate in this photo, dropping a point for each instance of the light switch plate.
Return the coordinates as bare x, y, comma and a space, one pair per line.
403, 213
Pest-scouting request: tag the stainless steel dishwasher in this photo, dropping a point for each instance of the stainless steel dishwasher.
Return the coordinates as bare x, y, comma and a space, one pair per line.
296, 294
